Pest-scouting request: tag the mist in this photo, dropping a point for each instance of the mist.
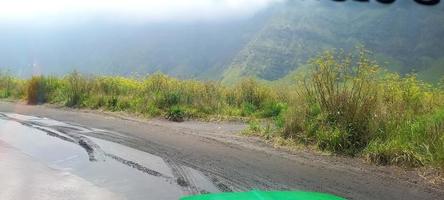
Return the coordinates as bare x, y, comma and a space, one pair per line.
211, 39
131, 11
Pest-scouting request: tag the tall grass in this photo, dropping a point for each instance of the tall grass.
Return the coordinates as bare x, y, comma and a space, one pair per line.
345, 104
10, 86
348, 105
342, 99
155, 95
40, 89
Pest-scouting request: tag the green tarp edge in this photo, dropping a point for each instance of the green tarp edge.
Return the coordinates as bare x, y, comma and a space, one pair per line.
265, 195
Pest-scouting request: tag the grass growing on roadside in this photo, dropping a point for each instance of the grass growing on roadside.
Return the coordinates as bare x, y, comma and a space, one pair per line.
348, 105
11, 87
40, 89
345, 104
155, 95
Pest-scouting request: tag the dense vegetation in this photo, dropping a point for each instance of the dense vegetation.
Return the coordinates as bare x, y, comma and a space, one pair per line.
154, 95
349, 105
300, 30
344, 104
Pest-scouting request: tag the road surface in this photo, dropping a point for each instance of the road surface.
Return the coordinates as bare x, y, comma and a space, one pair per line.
222, 160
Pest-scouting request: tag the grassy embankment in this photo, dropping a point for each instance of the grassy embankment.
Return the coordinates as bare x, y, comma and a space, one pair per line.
344, 104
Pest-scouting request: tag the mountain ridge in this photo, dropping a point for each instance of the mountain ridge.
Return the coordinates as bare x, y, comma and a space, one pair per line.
404, 37
302, 31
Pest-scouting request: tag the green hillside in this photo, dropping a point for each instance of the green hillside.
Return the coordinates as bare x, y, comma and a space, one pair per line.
404, 37
268, 45
434, 73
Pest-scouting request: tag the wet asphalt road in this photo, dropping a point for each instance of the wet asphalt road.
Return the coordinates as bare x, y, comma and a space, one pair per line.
22, 177
228, 166
81, 163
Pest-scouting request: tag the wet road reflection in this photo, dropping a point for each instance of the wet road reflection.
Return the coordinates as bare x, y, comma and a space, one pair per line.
118, 168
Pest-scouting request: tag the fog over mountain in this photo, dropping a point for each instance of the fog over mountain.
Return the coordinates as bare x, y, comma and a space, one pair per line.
131, 11
183, 38
216, 39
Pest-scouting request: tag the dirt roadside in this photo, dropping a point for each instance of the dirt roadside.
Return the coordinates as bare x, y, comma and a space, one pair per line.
245, 163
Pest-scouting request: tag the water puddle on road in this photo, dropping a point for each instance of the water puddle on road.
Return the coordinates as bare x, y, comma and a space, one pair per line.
134, 174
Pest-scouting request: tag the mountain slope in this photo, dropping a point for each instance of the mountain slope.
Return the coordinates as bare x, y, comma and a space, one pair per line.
405, 35
182, 49
268, 45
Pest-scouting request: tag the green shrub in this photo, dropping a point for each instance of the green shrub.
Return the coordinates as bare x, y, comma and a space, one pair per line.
250, 92
37, 92
248, 109
152, 110
293, 126
168, 99
42, 89
11, 87
254, 126
393, 152
347, 105
176, 114
6, 85
272, 109
279, 120
77, 89
343, 89
264, 129
413, 142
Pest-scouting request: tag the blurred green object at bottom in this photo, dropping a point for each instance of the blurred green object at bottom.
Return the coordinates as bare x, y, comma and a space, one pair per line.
265, 195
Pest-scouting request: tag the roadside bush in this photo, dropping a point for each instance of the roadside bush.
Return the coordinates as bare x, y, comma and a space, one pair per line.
262, 128
168, 99
343, 89
393, 152
6, 85
335, 139
77, 89
272, 109
152, 111
294, 125
11, 87
250, 92
248, 109
42, 89
414, 142
347, 105
176, 114
37, 93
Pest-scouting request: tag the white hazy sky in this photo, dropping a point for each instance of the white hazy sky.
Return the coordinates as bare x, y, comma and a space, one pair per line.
151, 10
